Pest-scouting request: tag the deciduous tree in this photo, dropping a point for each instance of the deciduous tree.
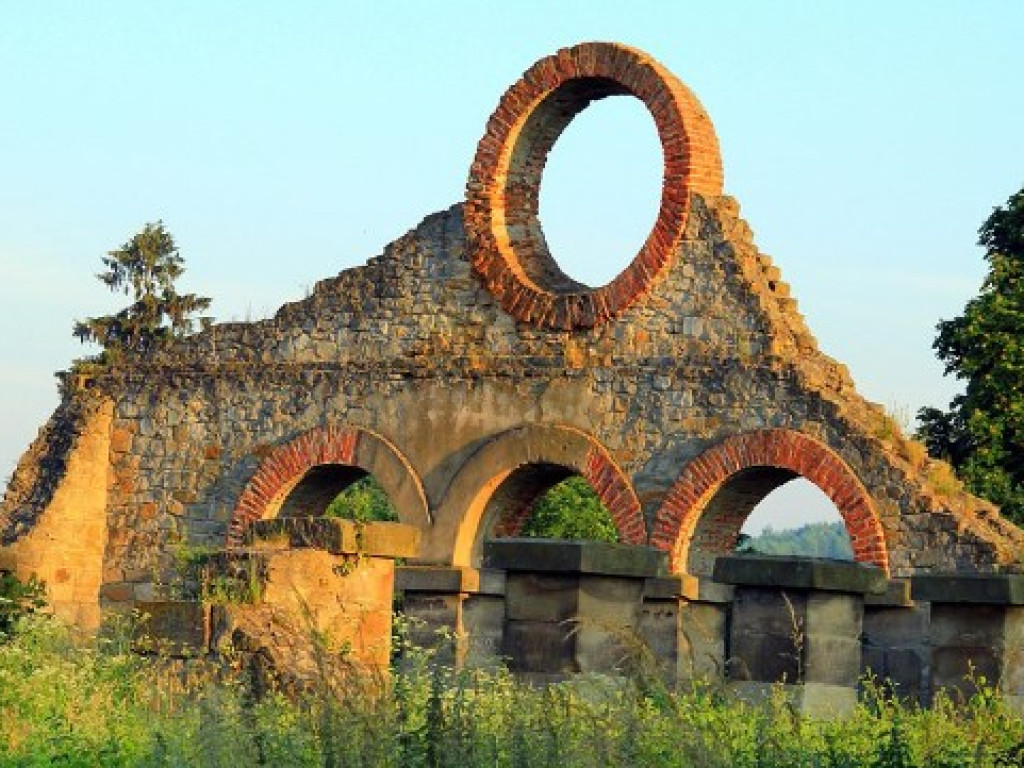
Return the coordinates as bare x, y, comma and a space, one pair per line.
982, 433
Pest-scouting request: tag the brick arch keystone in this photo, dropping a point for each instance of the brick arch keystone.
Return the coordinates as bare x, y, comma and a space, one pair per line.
507, 247
567, 451
338, 445
789, 454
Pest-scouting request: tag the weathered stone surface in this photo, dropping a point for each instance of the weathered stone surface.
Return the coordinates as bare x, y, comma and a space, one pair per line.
896, 595
795, 636
821, 700
334, 535
992, 589
427, 578
435, 367
588, 621
703, 633
459, 611
970, 640
668, 587
799, 573
547, 556
173, 627
896, 649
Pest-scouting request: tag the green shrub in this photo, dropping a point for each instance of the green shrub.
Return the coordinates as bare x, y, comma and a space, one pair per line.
69, 700
18, 599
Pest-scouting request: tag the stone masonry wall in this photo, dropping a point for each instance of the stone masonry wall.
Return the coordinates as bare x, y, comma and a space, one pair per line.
437, 363
413, 348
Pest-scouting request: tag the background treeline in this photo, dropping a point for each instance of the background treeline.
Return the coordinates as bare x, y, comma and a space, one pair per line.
814, 540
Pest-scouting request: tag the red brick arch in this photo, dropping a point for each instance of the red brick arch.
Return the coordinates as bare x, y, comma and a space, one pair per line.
694, 523
329, 447
507, 246
530, 459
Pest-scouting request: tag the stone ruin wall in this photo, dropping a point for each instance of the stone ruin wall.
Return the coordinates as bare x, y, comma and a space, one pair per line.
419, 350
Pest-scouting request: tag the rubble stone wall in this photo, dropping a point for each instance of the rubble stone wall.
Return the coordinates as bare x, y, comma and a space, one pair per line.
422, 362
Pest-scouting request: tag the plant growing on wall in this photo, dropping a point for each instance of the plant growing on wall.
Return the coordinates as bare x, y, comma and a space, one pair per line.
982, 433
146, 269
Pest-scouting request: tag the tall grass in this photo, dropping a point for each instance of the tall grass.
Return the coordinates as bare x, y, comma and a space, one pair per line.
79, 701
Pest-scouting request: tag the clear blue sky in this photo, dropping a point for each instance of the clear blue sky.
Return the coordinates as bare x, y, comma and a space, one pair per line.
283, 142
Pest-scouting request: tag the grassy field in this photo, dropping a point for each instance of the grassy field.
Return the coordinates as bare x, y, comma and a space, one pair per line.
74, 701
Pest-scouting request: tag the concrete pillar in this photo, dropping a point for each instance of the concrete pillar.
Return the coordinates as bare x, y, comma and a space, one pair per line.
977, 630
797, 622
572, 606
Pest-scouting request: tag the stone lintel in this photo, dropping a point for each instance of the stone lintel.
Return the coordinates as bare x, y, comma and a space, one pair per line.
592, 557
896, 595
809, 573
984, 589
448, 579
335, 535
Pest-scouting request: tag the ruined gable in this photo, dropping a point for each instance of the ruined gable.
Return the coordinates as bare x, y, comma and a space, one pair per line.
461, 367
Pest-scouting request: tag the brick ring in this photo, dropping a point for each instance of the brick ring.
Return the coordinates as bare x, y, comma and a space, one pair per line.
506, 242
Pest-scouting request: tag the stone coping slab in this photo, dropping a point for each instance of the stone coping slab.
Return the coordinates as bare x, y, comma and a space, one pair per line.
809, 573
687, 587
896, 595
979, 588
591, 557
448, 579
335, 535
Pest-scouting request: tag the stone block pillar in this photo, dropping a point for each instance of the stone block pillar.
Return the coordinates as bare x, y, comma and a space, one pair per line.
797, 622
977, 630
895, 648
298, 587
683, 623
572, 606
458, 611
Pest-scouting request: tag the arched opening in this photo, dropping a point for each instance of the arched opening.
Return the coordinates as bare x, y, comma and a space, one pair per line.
337, 490
312, 495
797, 518
705, 509
549, 502
308, 474
497, 487
365, 500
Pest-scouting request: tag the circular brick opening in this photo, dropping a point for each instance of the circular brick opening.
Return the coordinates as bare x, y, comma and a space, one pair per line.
507, 246
601, 190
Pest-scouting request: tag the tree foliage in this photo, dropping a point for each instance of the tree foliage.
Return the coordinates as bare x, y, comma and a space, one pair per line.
146, 269
813, 540
982, 433
18, 599
571, 510
365, 501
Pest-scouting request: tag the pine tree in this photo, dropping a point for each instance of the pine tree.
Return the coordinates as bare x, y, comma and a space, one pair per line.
146, 269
